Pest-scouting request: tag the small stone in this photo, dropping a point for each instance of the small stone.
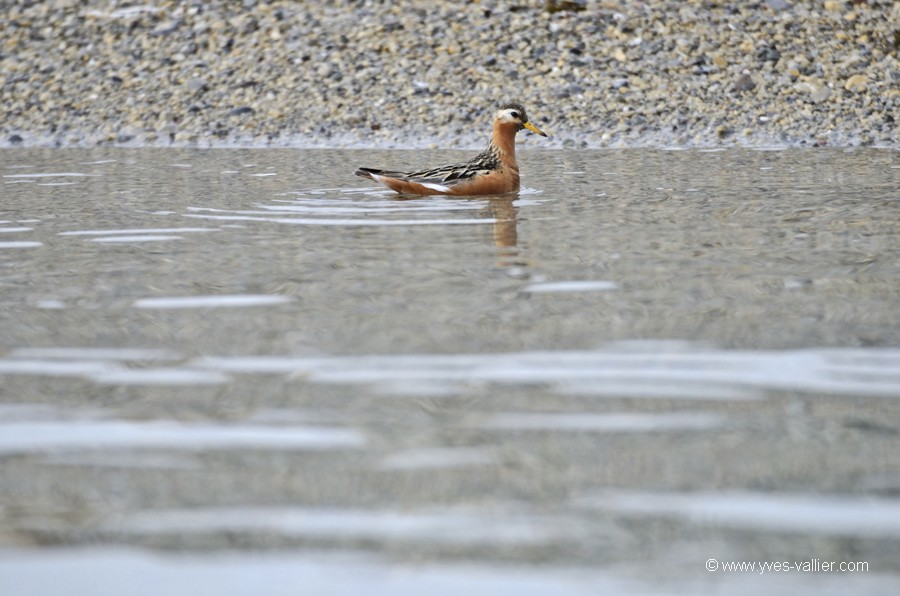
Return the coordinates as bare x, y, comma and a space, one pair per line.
15, 139
165, 28
241, 111
769, 54
856, 83
744, 83
195, 84
821, 94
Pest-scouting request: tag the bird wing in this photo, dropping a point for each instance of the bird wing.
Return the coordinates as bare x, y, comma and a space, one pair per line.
484, 163
445, 176
448, 175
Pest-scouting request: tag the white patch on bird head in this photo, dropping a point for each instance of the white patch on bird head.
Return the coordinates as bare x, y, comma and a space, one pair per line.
511, 115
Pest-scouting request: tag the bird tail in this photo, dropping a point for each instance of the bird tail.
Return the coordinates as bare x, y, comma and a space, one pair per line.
377, 175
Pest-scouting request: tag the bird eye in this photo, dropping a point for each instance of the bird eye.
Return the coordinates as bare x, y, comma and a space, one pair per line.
514, 114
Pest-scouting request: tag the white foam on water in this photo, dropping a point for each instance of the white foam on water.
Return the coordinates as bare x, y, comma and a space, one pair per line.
437, 457
867, 517
571, 286
609, 423
51, 436
215, 301
136, 238
124, 232
15, 230
21, 244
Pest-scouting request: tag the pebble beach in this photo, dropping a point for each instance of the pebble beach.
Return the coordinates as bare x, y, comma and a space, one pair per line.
420, 74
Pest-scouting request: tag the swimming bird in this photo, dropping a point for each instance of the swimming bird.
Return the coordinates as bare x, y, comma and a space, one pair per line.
494, 171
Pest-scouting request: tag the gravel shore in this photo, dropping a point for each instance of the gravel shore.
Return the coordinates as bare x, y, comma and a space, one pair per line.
423, 73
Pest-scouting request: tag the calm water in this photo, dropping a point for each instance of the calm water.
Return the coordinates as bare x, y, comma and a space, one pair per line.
227, 369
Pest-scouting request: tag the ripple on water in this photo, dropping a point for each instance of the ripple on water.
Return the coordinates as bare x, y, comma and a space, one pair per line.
611, 423
52, 436
136, 231
571, 286
722, 374
134, 239
784, 513
333, 211
52, 175
453, 525
213, 301
21, 244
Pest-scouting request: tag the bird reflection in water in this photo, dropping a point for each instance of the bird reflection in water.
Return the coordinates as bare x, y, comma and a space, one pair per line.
506, 233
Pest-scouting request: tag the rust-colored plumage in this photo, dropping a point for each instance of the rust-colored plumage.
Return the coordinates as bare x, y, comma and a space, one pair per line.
494, 171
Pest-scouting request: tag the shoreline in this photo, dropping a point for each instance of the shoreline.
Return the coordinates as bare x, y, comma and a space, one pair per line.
412, 75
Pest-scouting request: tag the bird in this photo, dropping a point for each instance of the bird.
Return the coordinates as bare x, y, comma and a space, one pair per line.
494, 171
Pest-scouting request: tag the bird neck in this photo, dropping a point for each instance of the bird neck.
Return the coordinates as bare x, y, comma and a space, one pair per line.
504, 140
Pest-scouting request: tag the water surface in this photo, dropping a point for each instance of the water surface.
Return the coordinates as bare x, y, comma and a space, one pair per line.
221, 365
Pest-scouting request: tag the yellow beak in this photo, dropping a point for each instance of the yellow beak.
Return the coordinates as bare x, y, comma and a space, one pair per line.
534, 129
